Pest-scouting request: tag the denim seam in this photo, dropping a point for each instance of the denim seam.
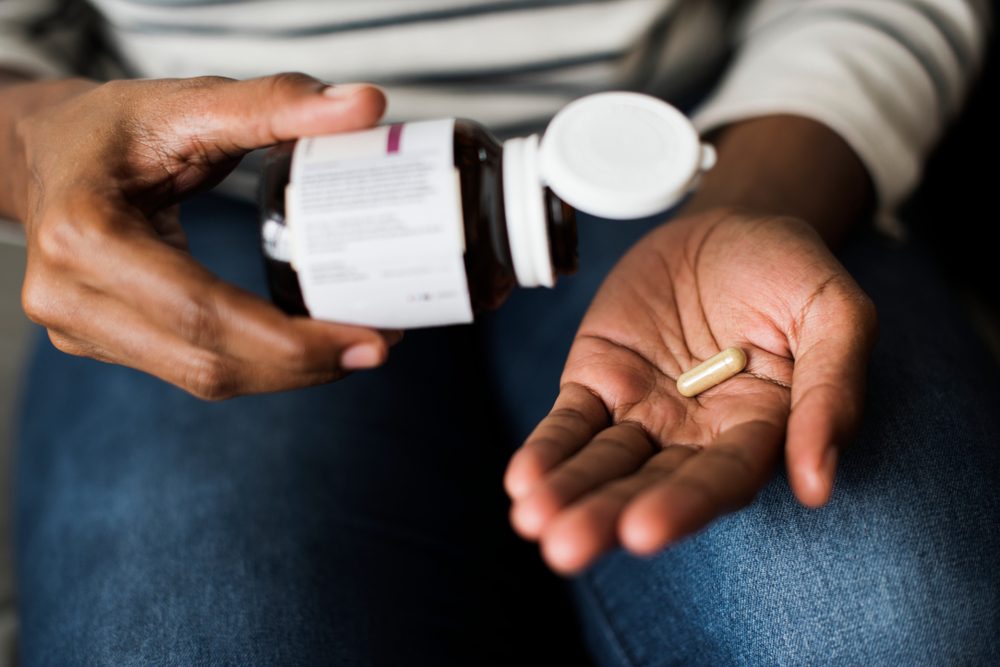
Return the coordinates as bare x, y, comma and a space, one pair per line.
608, 628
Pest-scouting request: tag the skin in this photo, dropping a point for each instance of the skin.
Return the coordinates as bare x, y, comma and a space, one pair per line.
96, 172
623, 459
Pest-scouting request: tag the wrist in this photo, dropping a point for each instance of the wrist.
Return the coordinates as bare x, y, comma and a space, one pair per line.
21, 100
790, 166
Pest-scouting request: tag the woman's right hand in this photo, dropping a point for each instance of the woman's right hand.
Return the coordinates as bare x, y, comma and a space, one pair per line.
96, 174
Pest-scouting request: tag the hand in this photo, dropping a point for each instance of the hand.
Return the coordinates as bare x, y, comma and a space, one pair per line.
623, 458
108, 271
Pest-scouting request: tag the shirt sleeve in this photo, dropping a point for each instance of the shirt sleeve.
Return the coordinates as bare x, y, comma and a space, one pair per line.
886, 75
22, 46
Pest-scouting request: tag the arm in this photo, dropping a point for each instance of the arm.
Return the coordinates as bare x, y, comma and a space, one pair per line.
623, 458
95, 173
886, 77
807, 146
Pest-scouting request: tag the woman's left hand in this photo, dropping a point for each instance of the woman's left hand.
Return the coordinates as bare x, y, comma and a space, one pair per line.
624, 458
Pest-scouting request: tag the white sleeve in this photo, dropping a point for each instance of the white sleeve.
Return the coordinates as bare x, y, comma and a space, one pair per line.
20, 48
886, 75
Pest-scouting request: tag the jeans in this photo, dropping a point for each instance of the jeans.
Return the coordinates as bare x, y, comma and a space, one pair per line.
364, 522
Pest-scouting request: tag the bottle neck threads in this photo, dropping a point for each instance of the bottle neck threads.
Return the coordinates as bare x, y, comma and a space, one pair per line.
525, 211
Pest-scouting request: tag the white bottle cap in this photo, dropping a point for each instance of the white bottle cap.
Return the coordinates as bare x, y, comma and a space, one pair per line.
622, 155
524, 207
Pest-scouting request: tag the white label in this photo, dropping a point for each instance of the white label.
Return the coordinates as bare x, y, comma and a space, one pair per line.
376, 225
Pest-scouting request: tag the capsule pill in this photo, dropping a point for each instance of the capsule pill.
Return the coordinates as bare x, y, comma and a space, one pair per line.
712, 371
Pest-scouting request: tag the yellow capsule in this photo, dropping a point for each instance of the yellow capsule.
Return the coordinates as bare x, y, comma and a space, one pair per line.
712, 371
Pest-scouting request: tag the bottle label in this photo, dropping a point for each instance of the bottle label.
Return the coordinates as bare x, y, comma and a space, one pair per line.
376, 227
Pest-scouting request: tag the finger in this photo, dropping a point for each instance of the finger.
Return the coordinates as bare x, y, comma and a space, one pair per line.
613, 453
392, 336
588, 528
721, 478
828, 390
238, 116
179, 295
574, 419
115, 333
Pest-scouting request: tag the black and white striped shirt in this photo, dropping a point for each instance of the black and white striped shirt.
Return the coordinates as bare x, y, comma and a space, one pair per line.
886, 75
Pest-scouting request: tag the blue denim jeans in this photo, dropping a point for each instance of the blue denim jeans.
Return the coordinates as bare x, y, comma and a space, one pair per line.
364, 522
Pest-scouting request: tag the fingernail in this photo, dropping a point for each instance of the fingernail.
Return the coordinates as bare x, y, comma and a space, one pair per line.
828, 468
344, 91
822, 477
364, 355
392, 336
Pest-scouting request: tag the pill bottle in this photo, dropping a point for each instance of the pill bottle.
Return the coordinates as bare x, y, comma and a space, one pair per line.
428, 223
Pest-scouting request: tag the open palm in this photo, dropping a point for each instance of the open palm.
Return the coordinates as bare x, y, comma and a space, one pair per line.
623, 458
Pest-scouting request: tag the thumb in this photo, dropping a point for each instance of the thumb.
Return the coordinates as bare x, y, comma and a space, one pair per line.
828, 388
239, 116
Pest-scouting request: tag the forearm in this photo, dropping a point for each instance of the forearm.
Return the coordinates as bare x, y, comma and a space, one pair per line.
787, 165
884, 76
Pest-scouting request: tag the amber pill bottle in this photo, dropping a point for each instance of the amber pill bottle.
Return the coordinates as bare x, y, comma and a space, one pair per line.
428, 223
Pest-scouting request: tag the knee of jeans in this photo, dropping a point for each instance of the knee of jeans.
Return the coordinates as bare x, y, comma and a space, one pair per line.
879, 576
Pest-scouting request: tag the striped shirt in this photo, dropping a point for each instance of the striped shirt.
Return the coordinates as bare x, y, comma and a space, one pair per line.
887, 75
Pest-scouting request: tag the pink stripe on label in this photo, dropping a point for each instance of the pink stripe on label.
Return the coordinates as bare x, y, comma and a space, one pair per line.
395, 132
